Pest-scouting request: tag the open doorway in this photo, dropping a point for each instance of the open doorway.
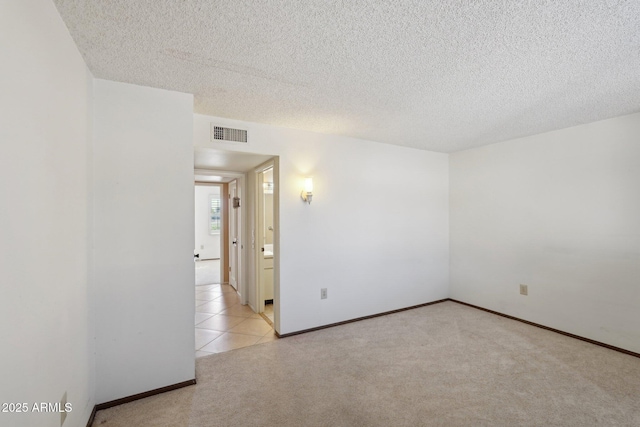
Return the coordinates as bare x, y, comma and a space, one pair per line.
227, 316
266, 236
208, 233
222, 321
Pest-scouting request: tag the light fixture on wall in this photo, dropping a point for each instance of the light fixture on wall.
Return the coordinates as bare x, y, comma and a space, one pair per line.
307, 192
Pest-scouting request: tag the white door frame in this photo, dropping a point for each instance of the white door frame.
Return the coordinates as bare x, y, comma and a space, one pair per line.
260, 236
235, 233
271, 163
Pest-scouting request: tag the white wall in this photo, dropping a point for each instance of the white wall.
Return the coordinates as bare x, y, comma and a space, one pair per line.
46, 330
559, 212
207, 245
144, 222
376, 234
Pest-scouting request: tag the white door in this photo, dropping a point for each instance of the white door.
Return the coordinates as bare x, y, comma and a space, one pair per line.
265, 239
234, 238
260, 240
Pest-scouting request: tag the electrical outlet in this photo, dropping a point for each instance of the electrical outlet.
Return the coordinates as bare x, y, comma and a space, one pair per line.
63, 411
524, 289
323, 293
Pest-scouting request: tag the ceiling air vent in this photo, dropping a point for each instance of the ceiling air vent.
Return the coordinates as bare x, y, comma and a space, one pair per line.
219, 133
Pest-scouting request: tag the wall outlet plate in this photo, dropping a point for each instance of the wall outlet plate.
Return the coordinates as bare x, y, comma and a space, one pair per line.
323, 293
524, 289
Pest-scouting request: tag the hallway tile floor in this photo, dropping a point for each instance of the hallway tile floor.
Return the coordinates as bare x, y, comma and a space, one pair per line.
268, 311
223, 324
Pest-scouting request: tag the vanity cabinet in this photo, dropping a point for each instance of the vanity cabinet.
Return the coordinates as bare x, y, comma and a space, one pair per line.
267, 278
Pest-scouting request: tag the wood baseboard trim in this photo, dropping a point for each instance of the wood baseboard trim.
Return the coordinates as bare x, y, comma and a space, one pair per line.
142, 395
92, 416
357, 319
601, 344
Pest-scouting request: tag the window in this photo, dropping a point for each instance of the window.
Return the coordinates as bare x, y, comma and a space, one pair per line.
214, 214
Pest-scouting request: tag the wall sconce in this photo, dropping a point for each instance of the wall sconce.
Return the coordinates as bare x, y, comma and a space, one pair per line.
307, 192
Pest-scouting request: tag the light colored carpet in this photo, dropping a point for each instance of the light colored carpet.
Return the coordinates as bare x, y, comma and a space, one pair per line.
440, 365
207, 272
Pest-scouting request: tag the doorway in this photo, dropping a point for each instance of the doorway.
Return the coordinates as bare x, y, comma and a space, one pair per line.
266, 233
207, 230
223, 166
223, 319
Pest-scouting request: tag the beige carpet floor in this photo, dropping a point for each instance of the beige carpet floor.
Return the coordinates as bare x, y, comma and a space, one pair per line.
440, 365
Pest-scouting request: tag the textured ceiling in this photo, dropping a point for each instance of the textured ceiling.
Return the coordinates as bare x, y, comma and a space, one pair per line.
431, 74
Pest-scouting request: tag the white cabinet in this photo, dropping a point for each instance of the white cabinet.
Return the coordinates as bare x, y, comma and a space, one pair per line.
267, 279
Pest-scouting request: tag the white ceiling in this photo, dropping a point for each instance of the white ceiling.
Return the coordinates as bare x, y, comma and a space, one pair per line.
212, 178
229, 161
431, 74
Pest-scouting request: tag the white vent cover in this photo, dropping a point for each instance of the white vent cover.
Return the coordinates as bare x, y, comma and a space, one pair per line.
219, 133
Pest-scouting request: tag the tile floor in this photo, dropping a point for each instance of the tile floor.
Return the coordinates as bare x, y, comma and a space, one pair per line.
268, 311
223, 324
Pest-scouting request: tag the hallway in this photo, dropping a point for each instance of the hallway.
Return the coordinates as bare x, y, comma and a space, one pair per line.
221, 322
